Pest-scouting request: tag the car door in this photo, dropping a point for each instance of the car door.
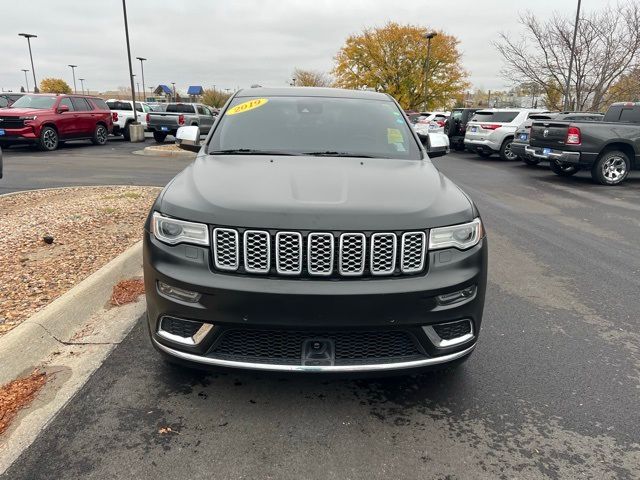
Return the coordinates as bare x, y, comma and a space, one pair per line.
86, 119
206, 119
67, 122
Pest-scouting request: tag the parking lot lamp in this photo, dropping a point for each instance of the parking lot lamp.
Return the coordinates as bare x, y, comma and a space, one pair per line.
173, 84
126, 32
29, 36
571, 57
428, 36
25, 78
144, 90
73, 69
82, 84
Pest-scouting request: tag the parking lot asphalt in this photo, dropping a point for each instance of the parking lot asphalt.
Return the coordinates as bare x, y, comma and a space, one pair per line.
552, 391
81, 163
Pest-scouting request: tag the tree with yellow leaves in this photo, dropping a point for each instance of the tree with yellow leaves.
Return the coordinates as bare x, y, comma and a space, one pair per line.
393, 59
54, 85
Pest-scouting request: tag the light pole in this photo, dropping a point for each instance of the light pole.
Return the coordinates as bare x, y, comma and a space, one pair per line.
428, 36
82, 84
138, 85
126, 32
573, 53
73, 69
173, 84
144, 90
135, 96
29, 36
25, 78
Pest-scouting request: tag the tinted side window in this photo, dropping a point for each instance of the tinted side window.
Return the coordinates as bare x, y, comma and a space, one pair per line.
67, 101
630, 115
613, 114
80, 104
100, 104
202, 110
3, 102
494, 116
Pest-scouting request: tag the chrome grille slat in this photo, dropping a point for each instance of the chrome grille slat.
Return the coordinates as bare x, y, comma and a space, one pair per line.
353, 250
383, 253
257, 251
225, 249
320, 253
289, 253
413, 252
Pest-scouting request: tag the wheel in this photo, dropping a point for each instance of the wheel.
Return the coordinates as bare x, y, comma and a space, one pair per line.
563, 170
484, 153
125, 133
159, 137
506, 153
611, 168
100, 135
49, 139
530, 161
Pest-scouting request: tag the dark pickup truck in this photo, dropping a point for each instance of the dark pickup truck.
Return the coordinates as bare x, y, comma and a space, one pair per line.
610, 148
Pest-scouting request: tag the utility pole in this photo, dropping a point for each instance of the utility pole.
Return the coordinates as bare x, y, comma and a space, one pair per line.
144, 90
73, 69
82, 84
429, 36
126, 32
26, 80
29, 36
573, 53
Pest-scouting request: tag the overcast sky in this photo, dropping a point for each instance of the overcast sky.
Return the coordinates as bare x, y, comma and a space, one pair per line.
236, 42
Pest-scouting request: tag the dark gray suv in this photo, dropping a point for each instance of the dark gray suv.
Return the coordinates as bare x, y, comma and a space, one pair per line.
313, 234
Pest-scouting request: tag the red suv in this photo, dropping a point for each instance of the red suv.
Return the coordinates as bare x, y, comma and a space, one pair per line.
47, 120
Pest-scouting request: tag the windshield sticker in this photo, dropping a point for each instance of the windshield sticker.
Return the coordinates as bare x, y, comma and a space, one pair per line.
394, 136
246, 106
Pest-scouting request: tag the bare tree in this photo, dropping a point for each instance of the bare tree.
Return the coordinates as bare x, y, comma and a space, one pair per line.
607, 45
310, 78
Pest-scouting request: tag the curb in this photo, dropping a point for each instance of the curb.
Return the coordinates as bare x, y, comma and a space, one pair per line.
30, 343
155, 152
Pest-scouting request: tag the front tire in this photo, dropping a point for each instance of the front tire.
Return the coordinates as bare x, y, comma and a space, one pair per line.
49, 139
563, 170
611, 168
159, 137
506, 153
100, 135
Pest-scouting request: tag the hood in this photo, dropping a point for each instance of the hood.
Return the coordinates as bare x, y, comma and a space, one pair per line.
22, 112
302, 193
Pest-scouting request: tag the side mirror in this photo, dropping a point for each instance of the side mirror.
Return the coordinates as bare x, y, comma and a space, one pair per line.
63, 108
188, 138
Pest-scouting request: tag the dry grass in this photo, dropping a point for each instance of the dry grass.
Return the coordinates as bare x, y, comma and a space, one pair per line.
89, 225
16, 395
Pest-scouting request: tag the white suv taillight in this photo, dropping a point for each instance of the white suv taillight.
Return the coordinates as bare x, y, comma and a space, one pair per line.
114, 116
573, 136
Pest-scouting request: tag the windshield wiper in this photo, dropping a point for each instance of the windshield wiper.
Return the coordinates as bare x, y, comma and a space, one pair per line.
249, 151
341, 154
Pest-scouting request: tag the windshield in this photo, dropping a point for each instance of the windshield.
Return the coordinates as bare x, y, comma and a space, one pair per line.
34, 101
315, 125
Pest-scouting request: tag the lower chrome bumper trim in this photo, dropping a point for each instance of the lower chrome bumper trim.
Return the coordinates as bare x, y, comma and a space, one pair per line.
320, 369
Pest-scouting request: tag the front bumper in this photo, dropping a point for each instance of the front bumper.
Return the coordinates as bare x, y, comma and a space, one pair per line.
233, 303
26, 134
559, 156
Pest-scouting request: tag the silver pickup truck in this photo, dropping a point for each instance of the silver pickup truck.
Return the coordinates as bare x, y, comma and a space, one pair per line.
179, 115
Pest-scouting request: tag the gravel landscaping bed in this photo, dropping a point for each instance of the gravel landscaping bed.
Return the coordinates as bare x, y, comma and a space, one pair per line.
50, 240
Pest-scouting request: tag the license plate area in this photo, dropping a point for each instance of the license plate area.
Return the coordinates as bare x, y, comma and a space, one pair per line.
546, 151
318, 352
474, 129
164, 129
524, 136
2, 131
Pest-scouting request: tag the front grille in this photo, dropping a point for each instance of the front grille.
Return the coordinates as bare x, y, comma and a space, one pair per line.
180, 328
285, 346
449, 331
11, 122
319, 254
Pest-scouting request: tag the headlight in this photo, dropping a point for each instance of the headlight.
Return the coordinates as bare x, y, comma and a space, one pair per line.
31, 117
462, 236
173, 231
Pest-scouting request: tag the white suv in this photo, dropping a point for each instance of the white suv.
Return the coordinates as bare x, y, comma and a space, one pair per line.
491, 131
122, 115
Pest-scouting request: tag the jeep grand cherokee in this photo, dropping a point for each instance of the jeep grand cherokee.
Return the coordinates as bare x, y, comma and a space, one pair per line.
312, 233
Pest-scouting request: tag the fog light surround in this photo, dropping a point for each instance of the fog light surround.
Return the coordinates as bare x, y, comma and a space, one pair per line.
457, 297
175, 293
194, 337
440, 342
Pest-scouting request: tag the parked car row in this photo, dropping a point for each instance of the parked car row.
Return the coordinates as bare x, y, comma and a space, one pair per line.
608, 145
179, 115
